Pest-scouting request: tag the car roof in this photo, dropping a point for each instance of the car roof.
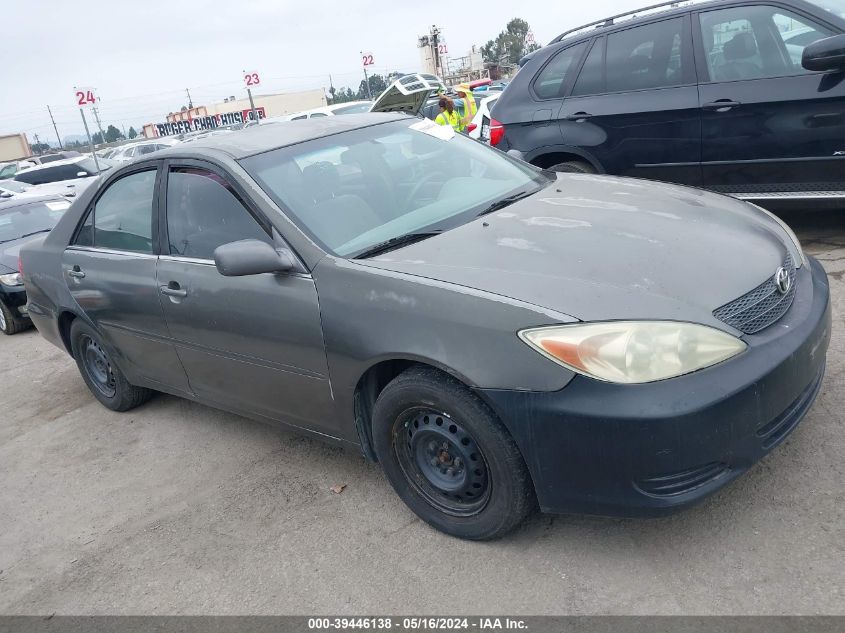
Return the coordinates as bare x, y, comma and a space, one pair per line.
58, 163
263, 138
11, 203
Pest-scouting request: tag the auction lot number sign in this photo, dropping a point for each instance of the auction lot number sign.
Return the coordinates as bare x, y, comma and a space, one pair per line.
84, 96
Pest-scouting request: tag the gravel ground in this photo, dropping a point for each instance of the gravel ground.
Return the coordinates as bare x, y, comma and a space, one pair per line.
176, 508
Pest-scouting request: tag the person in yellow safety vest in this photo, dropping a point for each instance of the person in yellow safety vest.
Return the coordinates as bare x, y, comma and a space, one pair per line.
470, 108
448, 115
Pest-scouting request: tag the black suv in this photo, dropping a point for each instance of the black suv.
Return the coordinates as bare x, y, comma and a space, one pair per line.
742, 97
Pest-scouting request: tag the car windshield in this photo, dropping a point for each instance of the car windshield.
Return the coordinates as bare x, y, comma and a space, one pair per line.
836, 7
13, 185
29, 219
354, 190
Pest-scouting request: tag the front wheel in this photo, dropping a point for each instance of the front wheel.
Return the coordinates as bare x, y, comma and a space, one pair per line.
103, 377
9, 323
449, 458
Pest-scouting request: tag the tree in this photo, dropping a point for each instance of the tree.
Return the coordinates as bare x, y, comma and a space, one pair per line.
96, 138
113, 134
132, 133
377, 86
39, 148
510, 45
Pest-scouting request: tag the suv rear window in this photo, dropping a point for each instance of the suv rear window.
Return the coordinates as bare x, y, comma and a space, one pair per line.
551, 81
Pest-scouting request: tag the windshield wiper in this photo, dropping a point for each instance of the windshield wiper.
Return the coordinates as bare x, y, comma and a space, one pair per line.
34, 233
504, 202
395, 242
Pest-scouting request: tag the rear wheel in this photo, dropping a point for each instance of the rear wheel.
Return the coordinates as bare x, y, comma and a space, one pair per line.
575, 166
449, 458
9, 323
104, 378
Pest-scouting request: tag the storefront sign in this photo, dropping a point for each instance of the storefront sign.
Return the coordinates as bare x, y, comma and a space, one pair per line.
208, 122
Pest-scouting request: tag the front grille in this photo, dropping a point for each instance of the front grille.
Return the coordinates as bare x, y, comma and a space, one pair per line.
762, 306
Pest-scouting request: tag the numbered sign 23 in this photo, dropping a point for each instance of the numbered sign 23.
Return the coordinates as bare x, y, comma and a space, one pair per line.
367, 58
251, 79
84, 97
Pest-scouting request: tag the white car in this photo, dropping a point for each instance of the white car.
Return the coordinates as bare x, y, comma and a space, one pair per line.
66, 177
8, 170
479, 127
350, 107
130, 152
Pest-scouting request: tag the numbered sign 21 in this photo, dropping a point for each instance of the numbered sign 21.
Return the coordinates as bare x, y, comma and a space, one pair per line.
251, 79
367, 58
84, 97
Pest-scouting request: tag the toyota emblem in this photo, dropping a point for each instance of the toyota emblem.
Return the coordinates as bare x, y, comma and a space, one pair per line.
782, 280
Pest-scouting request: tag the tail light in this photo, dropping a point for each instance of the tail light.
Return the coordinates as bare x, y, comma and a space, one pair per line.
497, 131
471, 127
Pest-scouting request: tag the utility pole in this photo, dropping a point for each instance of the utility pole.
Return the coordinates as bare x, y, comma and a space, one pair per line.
252, 111
123, 125
99, 125
190, 103
435, 39
90, 143
366, 80
331, 87
59, 138
37, 142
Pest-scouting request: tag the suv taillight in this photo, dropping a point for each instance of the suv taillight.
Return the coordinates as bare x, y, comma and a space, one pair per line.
497, 131
471, 127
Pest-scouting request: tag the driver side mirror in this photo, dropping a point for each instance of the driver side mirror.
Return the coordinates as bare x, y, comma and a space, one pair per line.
252, 257
825, 55
82, 174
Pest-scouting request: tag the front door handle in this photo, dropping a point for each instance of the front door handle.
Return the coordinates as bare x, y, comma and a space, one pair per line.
722, 105
173, 290
76, 273
578, 116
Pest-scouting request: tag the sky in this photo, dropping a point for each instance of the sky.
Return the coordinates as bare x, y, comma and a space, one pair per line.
142, 55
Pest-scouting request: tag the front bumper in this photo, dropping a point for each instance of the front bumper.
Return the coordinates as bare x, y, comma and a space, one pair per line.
644, 450
15, 298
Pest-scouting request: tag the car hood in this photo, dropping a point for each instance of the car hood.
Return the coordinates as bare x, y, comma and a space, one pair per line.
604, 248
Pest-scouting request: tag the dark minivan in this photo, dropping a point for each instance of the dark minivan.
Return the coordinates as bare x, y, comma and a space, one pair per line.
741, 97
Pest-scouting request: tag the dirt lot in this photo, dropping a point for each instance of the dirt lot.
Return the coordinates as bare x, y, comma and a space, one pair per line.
176, 508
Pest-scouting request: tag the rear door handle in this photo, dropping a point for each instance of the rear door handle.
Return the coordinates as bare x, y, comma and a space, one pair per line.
173, 290
578, 116
76, 272
722, 105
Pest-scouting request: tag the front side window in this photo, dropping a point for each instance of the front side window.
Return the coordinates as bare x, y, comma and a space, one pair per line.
204, 212
122, 217
644, 57
551, 81
358, 189
756, 42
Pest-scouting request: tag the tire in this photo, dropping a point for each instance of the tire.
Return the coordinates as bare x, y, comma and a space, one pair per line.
448, 456
103, 378
9, 323
575, 166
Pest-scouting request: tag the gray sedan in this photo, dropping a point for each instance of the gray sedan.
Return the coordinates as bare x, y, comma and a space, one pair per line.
496, 336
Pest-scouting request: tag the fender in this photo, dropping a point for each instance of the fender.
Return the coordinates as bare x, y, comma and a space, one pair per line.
531, 156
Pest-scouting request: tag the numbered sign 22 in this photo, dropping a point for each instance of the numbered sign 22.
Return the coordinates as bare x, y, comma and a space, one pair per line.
83, 97
252, 79
367, 59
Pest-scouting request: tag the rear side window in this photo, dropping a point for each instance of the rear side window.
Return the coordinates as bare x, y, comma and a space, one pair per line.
122, 217
551, 81
644, 57
204, 212
756, 42
591, 79
49, 174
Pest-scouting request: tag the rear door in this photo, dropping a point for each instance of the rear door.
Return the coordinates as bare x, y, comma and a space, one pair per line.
252, 344
768, 125
110, 270
634, 105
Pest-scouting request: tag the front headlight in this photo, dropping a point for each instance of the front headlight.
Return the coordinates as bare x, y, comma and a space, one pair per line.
632, 352
788, 231
12, 279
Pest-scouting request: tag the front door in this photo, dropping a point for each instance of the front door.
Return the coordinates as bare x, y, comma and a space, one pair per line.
768, 125
110, 269
634, 106
252, 344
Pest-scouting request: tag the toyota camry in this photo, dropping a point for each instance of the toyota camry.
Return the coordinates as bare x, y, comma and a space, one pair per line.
497, 337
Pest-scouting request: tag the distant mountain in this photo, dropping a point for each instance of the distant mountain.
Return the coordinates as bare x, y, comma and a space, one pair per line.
74, 138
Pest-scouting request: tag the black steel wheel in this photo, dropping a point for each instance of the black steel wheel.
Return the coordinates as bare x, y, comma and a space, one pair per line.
442, 459
103, 377
449, 457
98, 367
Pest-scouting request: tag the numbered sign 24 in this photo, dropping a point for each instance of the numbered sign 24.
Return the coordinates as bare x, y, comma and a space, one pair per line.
84, 97
367, 58
252, 79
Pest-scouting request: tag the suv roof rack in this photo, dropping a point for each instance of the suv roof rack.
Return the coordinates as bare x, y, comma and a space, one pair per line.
605, 22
